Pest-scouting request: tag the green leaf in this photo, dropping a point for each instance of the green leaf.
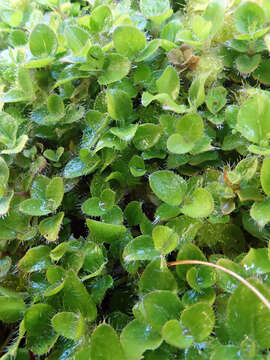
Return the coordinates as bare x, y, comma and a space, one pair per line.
54, 289
185, 227
216, 99
18, 38
76, 168
133, 213
4, 175
5, 264
165, 100
245, 169
165, 212
260, 212
168, 186
25, 81
77, 299
5, 203
73, 260
105, 232
55, 273
201, 27
196, 91
137, 337
69, 325
160, 307
54, 155
8, 129
199, 321
128, 40
214, 13
189, 130
32, 63
156, 276
249, 17
174, 334
50, 227
95, 59
94, 260
136, 166
151, 47
165, 239
224, 352
156, 10
76, 38
34, 207
42, 41
40, 334
147, 135
18, 146
55, 104
15, 95
248, 316
113, 216
170, 30
92, 207
125, 133
107, 198
201, 277
115, 68
11, 309
188, 251
119, 105
105, 344
169, 82
69, 73
59, 251
55, 192
265, 176
193, 205
225, 281
188, 37
204, 295
257, 261
36, 259
262, 72
100, 19
140, 248
100, 287
14, 222
246, 64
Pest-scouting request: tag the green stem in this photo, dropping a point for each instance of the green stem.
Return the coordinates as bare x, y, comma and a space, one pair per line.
238, 277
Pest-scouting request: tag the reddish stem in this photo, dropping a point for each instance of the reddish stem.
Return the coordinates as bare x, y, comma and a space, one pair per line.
238, 277
32, 356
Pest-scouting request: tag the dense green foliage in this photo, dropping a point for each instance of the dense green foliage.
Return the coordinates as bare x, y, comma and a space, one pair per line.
133, 134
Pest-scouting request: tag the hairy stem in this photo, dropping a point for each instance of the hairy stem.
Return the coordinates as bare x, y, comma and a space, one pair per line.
238, 277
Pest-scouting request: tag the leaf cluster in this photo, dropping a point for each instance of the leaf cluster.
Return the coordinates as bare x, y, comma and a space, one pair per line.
134, 134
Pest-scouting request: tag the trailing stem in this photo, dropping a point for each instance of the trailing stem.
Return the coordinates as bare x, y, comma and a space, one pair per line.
236, 276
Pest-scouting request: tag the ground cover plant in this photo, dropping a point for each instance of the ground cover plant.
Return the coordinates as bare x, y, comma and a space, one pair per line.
134, 179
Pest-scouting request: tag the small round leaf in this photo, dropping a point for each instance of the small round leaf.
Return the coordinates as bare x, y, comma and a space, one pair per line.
193, 205
174, 334
199, 320
128, 40
69, 325
165, 239
249, 17
137, 337
168, 186
265, 176
42, 41
105, 344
